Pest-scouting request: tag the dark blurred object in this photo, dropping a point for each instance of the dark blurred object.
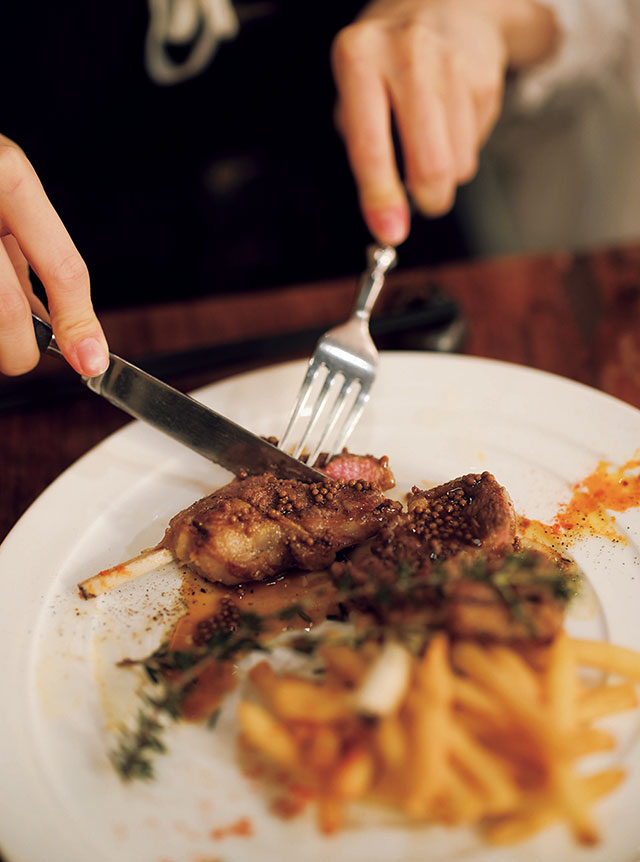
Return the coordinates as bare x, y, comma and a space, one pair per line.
234, 180
432, 322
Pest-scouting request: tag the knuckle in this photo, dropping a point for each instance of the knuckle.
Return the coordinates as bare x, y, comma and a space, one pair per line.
69, 273
414, 41
352, 46
72, 328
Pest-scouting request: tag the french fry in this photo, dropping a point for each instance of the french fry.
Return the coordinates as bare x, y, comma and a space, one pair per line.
572, 799
391, 742
485, 770
324, 748
606, 700
267, 735
263, 676
499, 681
542, 812
608, 657
589, 740
295, 699
330, 814
429, 707
483, 735
472, 698
353, 777
459, 802
522, 677
345, 663
561, 685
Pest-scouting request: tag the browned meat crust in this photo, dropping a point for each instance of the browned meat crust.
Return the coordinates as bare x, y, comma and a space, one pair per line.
451, 561
473, 511
259, 526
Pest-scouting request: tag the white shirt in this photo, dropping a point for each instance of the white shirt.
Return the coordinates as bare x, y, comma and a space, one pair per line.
562, 168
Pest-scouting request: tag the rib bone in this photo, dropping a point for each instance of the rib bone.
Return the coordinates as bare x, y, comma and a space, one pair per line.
147, 561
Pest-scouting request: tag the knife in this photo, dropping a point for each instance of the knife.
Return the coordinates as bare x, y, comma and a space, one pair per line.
183, 418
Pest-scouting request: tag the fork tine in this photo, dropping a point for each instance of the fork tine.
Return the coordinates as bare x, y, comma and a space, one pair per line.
352, 418
316, 410
338, 405
345, 351
303, 395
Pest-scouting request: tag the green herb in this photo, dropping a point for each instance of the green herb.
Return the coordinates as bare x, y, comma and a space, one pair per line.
131, 758
213, 719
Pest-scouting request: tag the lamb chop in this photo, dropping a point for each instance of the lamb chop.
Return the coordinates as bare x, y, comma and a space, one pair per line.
473, 511
452, 560
258, 526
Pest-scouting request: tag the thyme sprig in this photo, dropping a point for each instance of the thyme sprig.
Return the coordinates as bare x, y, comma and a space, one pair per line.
132, 757
173, 673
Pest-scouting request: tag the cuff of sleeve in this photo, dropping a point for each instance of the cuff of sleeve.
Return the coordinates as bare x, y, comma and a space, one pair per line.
590, 37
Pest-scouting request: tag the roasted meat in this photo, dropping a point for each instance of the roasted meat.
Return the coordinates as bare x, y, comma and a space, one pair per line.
348, 466
473, 511
259, 526
451, 561
520, 597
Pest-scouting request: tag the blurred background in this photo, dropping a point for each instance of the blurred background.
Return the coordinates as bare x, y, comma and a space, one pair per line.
230, 181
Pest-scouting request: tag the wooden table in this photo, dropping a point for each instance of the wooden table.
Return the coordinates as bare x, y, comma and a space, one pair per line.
575, 315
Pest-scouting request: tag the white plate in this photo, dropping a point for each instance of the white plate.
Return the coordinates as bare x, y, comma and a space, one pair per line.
436, 417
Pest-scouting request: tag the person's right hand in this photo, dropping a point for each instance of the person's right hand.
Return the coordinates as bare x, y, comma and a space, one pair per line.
32, 234
437, 68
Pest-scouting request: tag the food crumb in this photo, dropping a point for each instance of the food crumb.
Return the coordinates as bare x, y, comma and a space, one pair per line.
242, 828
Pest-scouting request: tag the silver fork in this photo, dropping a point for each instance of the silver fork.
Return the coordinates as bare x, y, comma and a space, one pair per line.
346, 352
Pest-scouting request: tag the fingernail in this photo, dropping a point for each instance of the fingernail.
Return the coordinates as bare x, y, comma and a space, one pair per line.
92, 357
391, 225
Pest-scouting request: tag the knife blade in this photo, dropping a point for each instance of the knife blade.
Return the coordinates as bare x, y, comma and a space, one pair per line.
184, 418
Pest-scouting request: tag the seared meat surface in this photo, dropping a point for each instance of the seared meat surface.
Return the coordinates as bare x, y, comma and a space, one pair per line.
452, 561
521, 596
259, 526
473, 511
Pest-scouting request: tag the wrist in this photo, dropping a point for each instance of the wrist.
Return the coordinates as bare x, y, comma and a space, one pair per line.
529, 28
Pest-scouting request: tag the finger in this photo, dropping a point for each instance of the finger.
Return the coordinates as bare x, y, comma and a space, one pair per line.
22, 270
28, 214
365, 121
488, 106
419, 93
462, 122
18, 349
18, 261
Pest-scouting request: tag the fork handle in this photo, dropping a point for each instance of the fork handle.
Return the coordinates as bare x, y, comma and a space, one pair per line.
380, 259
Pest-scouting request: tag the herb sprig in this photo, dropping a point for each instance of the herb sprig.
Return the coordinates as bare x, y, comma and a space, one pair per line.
173, 673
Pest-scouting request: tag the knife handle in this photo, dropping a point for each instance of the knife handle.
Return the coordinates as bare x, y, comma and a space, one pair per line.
45, 337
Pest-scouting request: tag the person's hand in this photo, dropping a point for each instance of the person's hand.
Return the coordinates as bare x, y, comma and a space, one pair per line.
438, 68
31, 233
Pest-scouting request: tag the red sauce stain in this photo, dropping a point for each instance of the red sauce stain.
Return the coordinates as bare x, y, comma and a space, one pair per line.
242, 828
608, 488
115, 570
